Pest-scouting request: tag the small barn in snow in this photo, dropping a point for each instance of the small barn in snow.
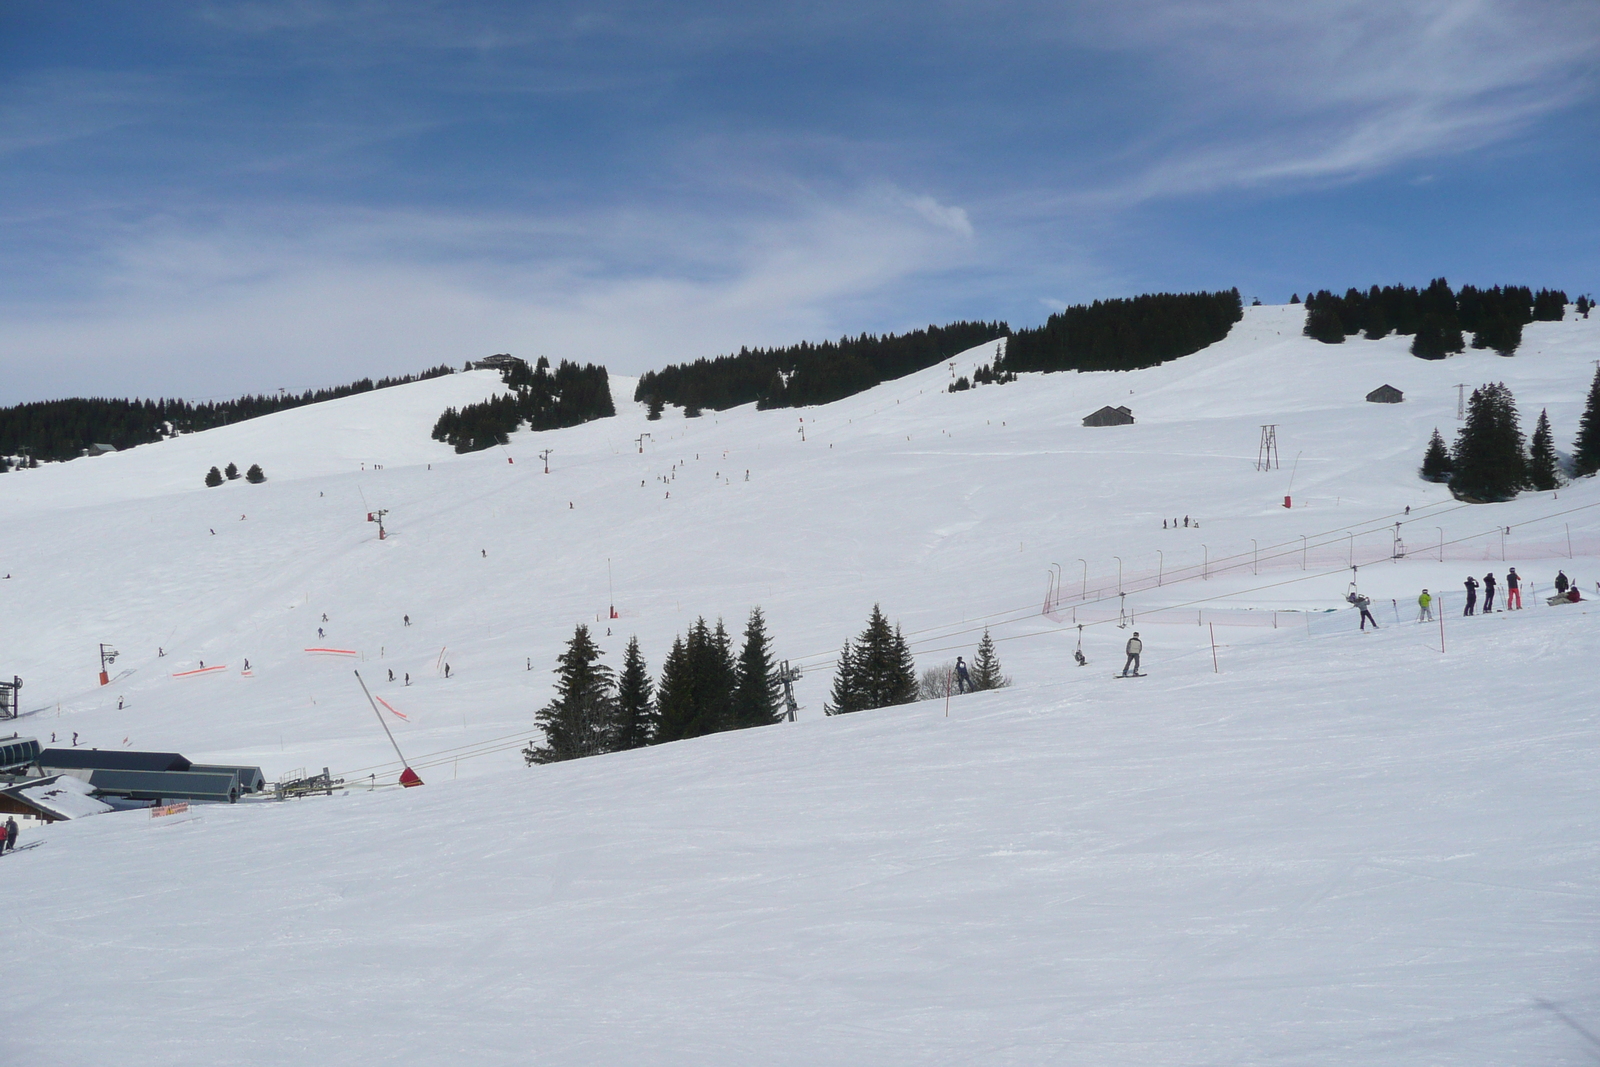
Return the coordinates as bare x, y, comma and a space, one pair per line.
1109, 416
50, 800
1385, 394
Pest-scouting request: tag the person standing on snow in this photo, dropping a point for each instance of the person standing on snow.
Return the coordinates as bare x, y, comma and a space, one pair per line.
963, 679
1472, 596
1135, 646
1513, 590
10, 837
1488, 593
1364, 606
1425, 607
1561, 582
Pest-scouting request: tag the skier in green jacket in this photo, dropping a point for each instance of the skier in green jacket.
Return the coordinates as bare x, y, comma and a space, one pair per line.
1425, 607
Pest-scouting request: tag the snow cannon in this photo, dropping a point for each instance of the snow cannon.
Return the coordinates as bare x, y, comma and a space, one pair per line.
409, 778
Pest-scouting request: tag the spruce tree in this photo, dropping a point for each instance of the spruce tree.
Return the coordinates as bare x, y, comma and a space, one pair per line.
844, 696
1323, 324
756, 695
254, 475
213, 478
1543, 472
986, 673
1437, 337
581, 720
1488, 460
231, 471
697, 683
1586, 449
1436, 464
878, 672
636, 713
675, 695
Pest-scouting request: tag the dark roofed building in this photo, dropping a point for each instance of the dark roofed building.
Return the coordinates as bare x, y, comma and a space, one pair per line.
1385, 394
69, 760
50, 799
1109, 416
500, 361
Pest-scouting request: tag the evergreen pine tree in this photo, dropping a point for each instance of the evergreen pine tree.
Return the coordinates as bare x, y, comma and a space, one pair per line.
1295, 299
878, 672
844, 695
1488, 460
675, 695
636, 713
254, 475
1437, 337
1543, 473
231, 471
986, 672
1586, 449
756, 695
1436, 464
581, 720
697, 683
213, 478
1323, 324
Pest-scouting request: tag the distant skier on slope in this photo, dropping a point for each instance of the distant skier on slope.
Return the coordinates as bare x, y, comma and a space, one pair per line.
1562, 582
1425, 607
1472, 595
1488, 593
9, 839
1134, 648
963, 679
1513, 590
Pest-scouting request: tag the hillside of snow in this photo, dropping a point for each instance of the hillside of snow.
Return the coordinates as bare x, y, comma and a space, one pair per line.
1299, 843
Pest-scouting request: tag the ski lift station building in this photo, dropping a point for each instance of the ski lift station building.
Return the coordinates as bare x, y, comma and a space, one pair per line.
152, 776
1110, 416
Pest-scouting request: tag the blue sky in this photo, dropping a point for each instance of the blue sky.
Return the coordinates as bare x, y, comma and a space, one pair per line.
200, 199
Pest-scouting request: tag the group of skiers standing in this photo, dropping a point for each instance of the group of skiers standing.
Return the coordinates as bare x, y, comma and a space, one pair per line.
1566, 592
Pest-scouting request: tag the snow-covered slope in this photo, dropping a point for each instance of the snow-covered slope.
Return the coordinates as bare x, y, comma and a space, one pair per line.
1307, 845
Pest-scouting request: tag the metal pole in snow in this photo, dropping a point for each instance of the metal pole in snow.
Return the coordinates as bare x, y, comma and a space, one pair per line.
1214, 668
1568, 526
408, 777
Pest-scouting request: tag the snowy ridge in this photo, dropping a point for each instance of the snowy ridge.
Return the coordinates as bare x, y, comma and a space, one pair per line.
1329, 847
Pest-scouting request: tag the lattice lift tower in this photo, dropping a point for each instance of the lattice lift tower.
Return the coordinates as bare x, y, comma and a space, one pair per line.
1267, 454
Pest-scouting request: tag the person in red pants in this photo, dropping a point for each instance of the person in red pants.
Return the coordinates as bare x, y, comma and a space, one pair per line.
1513, 590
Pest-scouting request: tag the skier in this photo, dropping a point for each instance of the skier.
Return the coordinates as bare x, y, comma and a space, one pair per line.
319, 635
1488, 593
447, 670
119, 703
1472, 595
1513, 590
1364, 605
10, 841
1561, 582
1135, 646
74, 739
1425, 607
247, 664
407, 619
324, 616
391, 674
1186, 522
1163, 524
1077, 654
408, 677
963, 679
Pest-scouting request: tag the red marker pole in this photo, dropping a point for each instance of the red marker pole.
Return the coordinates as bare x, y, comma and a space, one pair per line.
408, 777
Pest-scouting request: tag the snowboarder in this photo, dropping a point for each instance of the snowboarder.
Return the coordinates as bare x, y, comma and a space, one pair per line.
1562, 582
1163, 524
247, 664
10, 834
1365, 607
1425, 607
1472, 595
324, 616
1488, 593
1513, 590
391, 674
1135, 646
160, 652
963, 679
